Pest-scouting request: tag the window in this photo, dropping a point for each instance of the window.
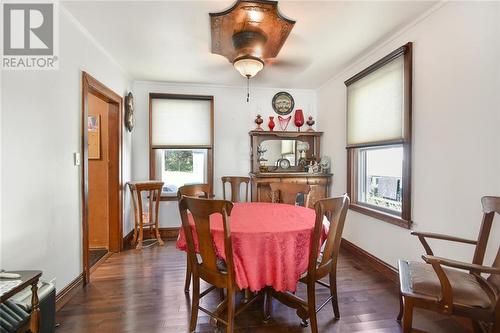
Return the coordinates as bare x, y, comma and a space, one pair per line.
181, 141
379, 138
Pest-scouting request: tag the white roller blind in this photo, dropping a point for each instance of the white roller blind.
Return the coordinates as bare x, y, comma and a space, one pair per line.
375, 106
180, 122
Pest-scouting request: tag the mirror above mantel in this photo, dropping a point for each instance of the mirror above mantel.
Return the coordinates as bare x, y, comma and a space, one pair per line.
282, 152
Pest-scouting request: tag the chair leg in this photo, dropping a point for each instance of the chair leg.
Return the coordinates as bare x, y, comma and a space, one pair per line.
221, 294
407, 315
333, 293
496, 324
231, 304
311, 305
188, 275
400, 314
195, 304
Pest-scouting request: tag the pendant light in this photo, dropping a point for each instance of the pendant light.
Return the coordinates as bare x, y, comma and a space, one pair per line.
248, 67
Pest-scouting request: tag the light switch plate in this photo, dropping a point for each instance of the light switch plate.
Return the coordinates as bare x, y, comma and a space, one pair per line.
76, 159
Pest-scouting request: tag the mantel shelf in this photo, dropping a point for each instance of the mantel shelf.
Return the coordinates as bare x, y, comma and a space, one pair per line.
284, 134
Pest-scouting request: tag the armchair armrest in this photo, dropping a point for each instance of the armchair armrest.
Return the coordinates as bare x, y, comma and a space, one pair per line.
423, 235
443, 237
459, 264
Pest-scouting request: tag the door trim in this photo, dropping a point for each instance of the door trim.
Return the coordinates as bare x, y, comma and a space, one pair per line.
91, 85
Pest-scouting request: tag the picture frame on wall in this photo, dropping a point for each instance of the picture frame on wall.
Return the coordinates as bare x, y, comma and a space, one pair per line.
94, 136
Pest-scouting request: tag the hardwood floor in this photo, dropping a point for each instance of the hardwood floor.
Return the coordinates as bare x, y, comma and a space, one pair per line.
142, 291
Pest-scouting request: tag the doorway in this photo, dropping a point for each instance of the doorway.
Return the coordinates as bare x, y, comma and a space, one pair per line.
101, 173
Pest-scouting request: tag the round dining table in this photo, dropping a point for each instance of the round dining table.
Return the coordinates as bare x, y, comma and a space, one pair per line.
271, 243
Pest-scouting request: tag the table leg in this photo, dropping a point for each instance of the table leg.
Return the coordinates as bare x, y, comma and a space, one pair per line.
268, 304
35, 310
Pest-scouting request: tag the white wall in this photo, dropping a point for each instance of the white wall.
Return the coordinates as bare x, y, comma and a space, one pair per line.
456, 136
41, 128
233, 120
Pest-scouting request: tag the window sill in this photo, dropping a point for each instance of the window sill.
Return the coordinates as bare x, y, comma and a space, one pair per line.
392, 219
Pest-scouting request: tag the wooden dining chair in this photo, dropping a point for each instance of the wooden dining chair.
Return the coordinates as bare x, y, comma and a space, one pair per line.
460, 291
205, 264
287, 193
235, 187
194, 190
197, 191
322, 262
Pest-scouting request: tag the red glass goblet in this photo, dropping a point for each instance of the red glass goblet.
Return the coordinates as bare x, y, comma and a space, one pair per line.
298, 119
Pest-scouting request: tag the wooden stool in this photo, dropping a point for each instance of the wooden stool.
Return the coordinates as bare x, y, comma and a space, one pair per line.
148, 218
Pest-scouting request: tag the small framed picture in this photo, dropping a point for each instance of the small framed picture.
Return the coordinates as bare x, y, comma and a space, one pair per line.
94, 136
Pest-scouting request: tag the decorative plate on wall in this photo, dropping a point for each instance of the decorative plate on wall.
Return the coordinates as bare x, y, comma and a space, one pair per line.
283, 103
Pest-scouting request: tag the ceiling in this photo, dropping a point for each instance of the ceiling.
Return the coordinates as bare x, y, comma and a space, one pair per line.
170, 40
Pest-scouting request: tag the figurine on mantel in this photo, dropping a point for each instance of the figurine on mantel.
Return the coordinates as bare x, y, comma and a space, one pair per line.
258, 120
310, 122
313, 167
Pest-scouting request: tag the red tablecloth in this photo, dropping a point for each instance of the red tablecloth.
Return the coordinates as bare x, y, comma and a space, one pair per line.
271, 243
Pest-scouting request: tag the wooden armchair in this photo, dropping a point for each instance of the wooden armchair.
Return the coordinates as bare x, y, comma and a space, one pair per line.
235, 187
287, 193
452, 291
321, 263
205, 264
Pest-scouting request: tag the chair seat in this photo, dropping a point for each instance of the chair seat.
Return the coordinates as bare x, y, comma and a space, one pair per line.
424, 280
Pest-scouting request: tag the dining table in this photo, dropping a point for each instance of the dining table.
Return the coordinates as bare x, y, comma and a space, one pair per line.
271, 244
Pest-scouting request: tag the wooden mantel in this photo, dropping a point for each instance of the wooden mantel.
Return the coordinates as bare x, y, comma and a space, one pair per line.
319, 182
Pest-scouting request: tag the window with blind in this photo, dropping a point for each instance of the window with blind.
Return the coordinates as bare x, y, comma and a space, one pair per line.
181, 141
379, 138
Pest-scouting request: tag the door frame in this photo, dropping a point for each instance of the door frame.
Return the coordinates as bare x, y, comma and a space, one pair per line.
91, 85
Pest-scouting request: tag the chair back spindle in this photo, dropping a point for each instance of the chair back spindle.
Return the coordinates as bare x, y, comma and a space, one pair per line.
235, 187
491, 206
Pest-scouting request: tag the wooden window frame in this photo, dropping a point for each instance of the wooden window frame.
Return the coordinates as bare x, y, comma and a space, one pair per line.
209, 148
404, 220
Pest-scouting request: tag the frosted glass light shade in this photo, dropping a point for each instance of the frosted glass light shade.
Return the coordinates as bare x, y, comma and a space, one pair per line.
248, 67
375, 106
178, 122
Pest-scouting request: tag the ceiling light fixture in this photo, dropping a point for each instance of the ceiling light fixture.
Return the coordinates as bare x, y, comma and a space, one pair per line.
248, 66
249, 33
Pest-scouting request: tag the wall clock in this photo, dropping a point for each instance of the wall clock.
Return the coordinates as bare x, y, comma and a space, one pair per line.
129, 112
283, 103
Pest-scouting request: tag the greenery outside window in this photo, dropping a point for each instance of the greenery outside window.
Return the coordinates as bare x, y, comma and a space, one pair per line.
181, 141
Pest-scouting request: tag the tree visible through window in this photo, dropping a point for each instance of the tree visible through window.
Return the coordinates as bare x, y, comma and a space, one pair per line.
179, 160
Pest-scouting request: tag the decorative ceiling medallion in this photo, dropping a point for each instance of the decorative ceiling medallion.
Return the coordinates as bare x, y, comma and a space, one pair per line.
264, 30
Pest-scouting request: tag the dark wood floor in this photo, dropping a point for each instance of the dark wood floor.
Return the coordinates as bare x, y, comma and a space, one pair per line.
142, 291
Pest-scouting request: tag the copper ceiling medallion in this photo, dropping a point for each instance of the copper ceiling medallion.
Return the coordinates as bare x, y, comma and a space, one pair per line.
249, 33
